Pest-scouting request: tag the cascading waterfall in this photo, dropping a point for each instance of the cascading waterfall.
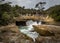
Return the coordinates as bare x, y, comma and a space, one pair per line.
28, 30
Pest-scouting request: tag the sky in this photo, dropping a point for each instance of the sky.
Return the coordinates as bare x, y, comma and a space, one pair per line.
32, 3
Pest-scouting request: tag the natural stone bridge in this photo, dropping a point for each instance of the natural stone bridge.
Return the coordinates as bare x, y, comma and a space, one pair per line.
33, 17
21, 20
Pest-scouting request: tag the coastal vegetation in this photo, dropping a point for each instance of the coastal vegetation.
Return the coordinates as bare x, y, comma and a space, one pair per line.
54, 12
8, 12
40, 31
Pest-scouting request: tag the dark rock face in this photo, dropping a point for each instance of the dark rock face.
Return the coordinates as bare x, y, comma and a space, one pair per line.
42, 22
21, 23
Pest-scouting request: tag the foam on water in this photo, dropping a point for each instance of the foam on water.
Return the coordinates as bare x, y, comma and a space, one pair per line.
27, 29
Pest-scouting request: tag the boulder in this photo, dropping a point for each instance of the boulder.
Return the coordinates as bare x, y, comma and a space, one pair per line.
47, 30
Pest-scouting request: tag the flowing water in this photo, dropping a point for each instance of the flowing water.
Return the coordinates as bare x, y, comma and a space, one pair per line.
29, 30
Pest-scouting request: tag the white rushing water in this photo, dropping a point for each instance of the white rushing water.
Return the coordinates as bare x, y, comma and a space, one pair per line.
29, 28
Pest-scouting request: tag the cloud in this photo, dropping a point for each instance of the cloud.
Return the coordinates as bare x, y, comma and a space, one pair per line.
32, 3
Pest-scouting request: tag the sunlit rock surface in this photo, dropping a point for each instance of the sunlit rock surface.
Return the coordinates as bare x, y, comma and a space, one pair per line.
47, 30
53, 35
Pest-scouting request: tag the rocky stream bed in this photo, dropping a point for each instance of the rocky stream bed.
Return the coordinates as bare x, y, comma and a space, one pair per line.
11, 34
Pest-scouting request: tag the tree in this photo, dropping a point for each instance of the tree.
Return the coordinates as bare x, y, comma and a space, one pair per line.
54, 12
40, 6
6, 19
4, 8
5, 14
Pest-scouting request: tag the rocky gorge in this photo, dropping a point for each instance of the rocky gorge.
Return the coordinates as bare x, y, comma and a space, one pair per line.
47, 34
11, 34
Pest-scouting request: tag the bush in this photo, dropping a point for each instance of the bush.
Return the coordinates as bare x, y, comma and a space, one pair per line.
54, 12
6, 19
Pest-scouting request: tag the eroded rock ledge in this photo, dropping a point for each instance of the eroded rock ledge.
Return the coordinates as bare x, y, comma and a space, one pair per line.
48, 33
47, 30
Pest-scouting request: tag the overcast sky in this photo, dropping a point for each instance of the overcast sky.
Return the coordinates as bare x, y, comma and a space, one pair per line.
32, 3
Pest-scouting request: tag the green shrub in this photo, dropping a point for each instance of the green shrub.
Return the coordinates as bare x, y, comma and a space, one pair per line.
54, 12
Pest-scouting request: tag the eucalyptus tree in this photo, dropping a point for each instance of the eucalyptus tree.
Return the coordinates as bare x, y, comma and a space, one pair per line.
1, 1
40, 6
5, 15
